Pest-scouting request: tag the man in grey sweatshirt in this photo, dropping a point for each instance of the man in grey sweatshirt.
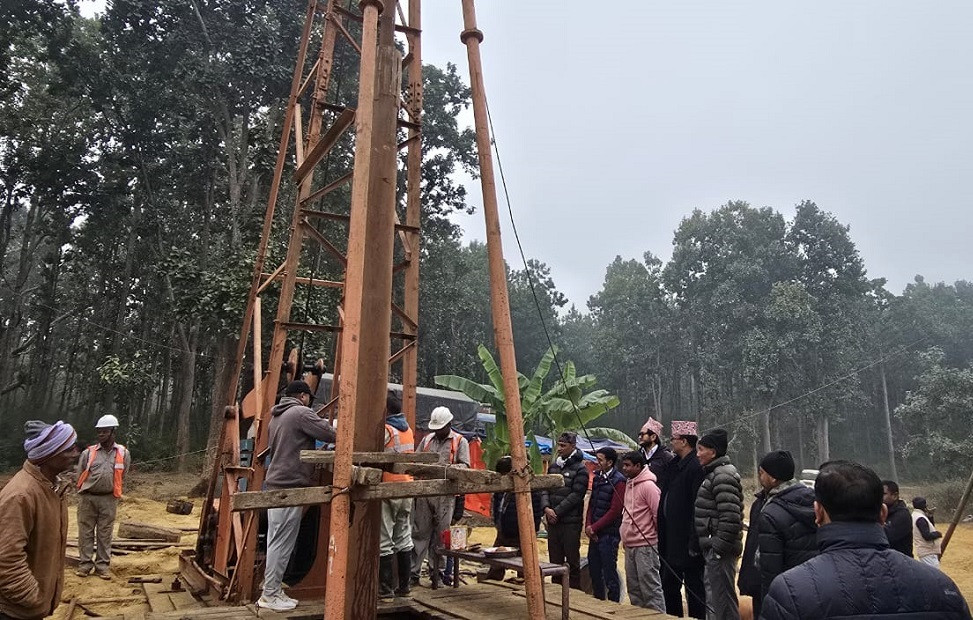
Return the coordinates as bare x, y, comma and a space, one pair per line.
293, 427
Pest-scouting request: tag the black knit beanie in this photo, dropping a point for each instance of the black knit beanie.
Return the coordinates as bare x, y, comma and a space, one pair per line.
779, 464
717, 440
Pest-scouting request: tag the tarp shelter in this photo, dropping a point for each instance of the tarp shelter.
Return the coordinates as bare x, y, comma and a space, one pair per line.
462, 406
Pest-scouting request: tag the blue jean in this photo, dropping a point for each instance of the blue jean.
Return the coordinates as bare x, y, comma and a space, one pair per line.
603, 567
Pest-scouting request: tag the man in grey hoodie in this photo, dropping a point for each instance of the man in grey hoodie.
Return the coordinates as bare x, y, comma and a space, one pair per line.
293, 427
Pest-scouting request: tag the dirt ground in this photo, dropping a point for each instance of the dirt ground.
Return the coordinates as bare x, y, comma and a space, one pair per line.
145, 501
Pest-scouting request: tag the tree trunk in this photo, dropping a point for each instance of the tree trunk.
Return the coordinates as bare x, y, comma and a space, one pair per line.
187, 371
888, 422
765, 432
824, 438
800, 442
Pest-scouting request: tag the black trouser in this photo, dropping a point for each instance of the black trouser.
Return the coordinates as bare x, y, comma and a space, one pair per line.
564, 545
672, 580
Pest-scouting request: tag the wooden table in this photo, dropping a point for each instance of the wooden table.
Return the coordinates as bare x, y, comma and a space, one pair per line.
517, 564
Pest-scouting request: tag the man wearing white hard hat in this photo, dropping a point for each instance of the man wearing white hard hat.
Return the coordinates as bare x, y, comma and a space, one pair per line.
101, 474
431, 515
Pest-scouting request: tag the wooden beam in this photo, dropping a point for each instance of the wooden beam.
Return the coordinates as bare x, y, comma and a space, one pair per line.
370, 458
306, 281
308, 496
443, 472
433, 488
325, 144
365, 475
279, 498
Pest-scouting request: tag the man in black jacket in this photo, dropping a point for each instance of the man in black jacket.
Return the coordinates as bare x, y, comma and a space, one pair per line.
678, 545
719, 525
657, 456
564, 506
785, 527
857, 575
748, 581
898, 525
504, 510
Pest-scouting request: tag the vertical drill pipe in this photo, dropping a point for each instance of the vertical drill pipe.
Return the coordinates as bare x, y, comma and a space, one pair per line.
413, 209
502, 329
338, 545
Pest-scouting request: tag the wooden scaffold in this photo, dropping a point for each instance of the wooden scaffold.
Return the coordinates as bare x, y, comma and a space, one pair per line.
345, 566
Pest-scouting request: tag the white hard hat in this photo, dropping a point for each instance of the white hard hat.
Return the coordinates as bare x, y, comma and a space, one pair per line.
441, 416
107, 421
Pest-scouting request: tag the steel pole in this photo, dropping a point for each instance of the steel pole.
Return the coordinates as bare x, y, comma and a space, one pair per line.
502, 328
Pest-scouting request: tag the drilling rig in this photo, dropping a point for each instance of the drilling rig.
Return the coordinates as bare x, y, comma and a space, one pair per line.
378, 254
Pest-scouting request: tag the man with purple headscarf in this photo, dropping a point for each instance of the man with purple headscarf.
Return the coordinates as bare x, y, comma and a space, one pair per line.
35, 523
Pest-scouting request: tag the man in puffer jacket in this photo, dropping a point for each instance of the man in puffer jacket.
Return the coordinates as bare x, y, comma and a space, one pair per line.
857, 575
719, 525
785, 526
564, 507
898, 524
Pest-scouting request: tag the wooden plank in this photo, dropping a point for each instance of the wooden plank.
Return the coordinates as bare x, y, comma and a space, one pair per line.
158, 599
365, 475
209, 613
432, 488
184, 600
370, 458
307, 496
140, 531
325, 144
444, 472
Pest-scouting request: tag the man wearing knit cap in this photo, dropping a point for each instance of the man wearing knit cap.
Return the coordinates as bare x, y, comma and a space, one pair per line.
656, 455
926, 540
785, 528
35, 523
719, 525
678, 543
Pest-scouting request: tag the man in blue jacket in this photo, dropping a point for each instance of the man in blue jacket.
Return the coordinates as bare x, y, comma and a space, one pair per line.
602, 523
857, 575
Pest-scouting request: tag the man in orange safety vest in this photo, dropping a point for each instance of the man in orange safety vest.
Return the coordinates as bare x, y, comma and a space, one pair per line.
101, 472
395, 543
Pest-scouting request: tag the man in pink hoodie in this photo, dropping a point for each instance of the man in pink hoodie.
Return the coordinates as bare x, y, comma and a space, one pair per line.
640, 534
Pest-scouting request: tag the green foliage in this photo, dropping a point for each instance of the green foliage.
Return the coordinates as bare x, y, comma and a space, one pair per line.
567, 405
938, 415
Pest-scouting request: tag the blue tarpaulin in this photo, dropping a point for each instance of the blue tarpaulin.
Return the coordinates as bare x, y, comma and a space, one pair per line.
546, 444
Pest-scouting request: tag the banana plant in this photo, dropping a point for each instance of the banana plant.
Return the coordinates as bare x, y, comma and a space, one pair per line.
565, 406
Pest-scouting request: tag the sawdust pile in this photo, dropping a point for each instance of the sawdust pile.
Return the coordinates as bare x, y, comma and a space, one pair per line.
144, 501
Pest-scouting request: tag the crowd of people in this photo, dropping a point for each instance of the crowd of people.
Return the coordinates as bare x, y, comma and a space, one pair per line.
842, 549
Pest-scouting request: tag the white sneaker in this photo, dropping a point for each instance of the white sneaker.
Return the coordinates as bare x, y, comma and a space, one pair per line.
276, 603
288, 598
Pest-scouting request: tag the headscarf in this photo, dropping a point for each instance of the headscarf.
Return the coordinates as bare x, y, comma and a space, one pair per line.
45, 440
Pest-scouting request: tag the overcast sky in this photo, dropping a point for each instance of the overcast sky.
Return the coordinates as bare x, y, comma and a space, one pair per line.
616, 120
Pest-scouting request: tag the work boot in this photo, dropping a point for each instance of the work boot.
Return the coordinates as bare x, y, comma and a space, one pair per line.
434, 574
404, 559
386, 577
